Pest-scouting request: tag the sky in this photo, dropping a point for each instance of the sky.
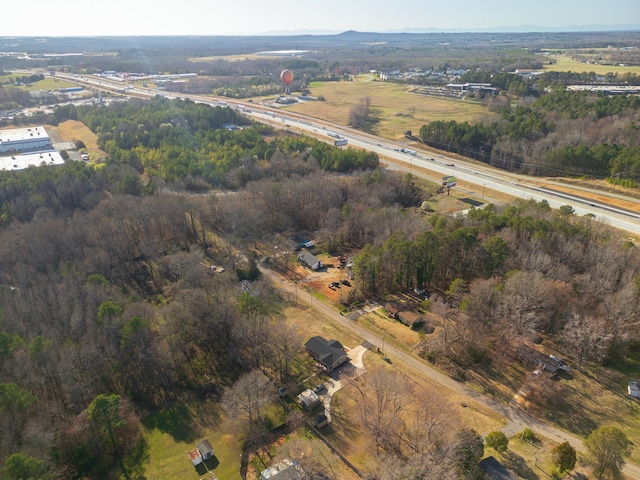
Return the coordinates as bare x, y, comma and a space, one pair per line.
253, 17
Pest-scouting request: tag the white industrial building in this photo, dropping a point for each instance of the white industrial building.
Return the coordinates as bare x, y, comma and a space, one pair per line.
26, 147
24, 139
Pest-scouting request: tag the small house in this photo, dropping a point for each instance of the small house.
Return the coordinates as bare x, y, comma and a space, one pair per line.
285, 470
205, 449
329, 354
392, 309
308, 399
195, 457
309, 260
410, 318
634, 389
537, 358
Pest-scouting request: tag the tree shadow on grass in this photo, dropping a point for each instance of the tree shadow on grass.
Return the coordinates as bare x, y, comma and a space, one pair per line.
342, 440
573, 418
175, 420
515, 462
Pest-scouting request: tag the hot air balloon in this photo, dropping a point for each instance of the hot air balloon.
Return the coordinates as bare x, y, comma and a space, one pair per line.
287, 77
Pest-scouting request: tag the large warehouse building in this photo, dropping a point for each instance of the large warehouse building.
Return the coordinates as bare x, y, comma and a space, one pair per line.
24, 139
21, 148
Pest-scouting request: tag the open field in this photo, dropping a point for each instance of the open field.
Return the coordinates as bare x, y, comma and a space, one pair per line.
396, 108
49, 83
235, 58
564, 63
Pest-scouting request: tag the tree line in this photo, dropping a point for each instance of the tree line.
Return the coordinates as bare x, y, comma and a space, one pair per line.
176, 139
561, 133
513, 271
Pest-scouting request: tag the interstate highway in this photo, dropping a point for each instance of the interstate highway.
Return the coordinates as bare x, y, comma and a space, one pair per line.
484, 177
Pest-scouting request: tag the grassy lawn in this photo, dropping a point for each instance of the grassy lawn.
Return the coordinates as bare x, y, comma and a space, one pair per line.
393, 331
564, 63
397, 109
581, 401
170, 434
530, 461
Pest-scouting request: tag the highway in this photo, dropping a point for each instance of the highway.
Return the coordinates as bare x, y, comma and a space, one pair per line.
484, 177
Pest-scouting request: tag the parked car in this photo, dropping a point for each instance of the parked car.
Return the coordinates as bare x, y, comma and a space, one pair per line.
346, 282
335, 284
320, 388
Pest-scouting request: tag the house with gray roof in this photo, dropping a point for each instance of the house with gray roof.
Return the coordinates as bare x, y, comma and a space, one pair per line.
328, 353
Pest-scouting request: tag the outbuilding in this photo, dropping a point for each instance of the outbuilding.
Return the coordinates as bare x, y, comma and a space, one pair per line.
308, 399
195, 457
205, 449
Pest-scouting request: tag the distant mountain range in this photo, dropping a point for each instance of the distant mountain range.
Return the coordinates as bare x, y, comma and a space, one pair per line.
512, 29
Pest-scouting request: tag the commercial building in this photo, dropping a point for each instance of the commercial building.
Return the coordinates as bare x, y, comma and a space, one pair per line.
26, 147
24, 139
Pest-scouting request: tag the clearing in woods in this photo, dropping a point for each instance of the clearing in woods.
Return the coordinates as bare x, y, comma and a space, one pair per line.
72, 130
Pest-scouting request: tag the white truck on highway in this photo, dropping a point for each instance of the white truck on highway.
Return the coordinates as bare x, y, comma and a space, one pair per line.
410, 152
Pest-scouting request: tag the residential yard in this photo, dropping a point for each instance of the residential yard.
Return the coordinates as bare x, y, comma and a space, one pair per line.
395, 107
170, 434
348, 434
578, 402
530, 460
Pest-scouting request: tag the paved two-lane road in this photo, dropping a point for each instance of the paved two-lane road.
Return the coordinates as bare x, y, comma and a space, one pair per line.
516, 419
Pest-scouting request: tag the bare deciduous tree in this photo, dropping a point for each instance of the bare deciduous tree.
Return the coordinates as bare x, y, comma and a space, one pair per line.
246, 399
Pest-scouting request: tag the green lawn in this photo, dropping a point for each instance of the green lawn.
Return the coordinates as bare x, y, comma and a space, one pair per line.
170, 434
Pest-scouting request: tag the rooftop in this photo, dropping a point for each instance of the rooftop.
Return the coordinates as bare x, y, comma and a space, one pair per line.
20, 162
17, 134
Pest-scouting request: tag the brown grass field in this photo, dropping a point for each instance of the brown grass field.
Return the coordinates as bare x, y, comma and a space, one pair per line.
564, 63
72, 130
396, 108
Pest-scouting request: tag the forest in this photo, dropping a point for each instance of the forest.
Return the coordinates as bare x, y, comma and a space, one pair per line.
110, 312
561, 133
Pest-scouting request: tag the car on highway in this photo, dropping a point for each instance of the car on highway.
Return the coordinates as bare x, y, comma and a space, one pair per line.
450, 165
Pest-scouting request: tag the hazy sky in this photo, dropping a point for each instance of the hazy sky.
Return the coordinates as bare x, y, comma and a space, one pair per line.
217, 17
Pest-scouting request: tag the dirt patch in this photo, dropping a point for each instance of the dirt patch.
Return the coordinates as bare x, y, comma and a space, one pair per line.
609, 193
320, 281
72, 131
